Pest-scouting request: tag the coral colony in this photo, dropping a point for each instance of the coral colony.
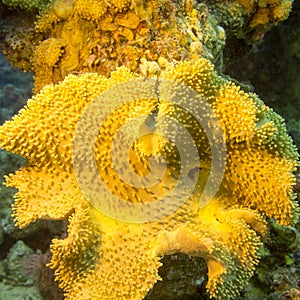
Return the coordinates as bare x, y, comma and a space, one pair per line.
100, 65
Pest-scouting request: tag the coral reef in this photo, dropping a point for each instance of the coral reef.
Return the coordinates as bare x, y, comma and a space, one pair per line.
21, 287
15, 89
184, 277
35, 266
56, 38
28, 4
250, 19
104, 251
18, 36
272, 70
100, 36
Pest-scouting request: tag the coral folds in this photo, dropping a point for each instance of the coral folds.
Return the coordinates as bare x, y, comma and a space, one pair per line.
107, 258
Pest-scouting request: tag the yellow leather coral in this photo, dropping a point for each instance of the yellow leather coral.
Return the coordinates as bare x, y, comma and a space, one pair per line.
102, 257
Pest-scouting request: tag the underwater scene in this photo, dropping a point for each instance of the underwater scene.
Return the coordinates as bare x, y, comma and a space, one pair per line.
149, 149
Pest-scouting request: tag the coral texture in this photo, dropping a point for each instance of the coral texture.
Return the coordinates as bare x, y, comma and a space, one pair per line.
26, 4
102, 35
103, 258
250, 19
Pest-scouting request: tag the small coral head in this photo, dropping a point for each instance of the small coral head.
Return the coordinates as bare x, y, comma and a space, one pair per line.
145, 165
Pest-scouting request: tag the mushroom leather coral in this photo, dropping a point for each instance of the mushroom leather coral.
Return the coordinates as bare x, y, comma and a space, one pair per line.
103, 258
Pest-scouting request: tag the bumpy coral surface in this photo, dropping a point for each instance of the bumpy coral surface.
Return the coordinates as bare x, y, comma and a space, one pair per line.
250, 19
26, 4
141, 35
106, 258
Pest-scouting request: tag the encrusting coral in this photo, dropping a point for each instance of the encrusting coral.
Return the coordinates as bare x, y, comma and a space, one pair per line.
105, 258
102, 35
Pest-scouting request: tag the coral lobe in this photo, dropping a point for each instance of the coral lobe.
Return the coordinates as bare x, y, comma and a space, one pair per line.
98, 252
